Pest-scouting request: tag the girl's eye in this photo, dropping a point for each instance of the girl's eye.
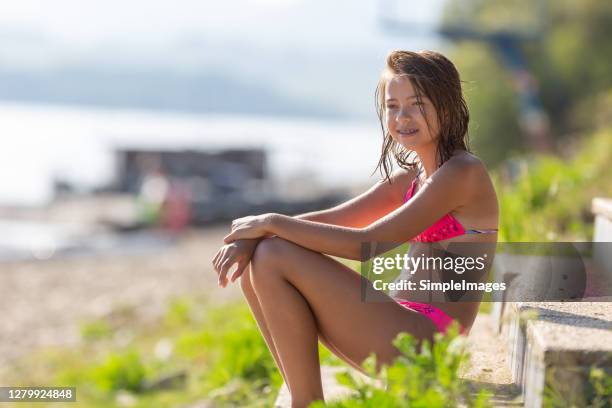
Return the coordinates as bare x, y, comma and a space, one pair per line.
391, 106
418, 103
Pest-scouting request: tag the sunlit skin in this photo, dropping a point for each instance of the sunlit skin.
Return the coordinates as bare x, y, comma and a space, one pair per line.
299, 295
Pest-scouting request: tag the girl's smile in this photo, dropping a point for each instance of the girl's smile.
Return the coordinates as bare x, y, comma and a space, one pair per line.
407, 132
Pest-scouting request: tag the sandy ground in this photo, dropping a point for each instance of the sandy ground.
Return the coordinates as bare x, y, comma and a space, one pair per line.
45, 302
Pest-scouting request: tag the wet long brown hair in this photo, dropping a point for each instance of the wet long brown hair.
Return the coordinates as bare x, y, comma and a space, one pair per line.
435, 76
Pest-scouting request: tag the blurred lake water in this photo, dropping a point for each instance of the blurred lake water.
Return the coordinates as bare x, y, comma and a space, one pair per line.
44, 142
24, 240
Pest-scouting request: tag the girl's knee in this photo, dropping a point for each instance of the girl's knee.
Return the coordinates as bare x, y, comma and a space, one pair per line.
268, 259
269, 251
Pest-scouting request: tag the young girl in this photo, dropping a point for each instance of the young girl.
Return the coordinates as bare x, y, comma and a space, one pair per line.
441, 192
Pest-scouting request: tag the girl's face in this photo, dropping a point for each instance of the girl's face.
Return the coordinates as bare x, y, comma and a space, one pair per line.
403, 116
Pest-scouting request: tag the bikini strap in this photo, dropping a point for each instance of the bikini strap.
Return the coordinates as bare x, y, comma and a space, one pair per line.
481, 231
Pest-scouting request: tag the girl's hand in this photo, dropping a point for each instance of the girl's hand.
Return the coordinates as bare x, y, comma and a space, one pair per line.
253, 226
238, 252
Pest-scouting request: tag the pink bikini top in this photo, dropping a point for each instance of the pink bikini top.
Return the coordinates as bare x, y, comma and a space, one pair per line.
445, 228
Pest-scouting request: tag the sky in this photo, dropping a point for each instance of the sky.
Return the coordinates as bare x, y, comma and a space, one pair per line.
309, 23
314, 51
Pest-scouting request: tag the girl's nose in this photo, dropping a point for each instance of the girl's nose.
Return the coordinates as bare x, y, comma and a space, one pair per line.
404, 114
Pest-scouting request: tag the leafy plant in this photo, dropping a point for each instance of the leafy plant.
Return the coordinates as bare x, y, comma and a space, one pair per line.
425, 377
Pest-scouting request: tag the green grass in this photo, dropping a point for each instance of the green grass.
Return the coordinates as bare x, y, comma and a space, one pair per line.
551, 198
218, 349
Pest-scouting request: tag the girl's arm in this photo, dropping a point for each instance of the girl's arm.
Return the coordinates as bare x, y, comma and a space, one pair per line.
379, 200
449, 188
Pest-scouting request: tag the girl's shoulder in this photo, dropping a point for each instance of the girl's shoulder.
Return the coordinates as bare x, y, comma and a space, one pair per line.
464, 162
466, 173
400, 181
403, 175
470, 172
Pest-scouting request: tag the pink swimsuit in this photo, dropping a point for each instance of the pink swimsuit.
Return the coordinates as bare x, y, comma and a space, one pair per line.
437, 316
445, 228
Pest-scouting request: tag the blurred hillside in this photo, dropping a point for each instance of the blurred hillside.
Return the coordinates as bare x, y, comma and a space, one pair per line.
154, 88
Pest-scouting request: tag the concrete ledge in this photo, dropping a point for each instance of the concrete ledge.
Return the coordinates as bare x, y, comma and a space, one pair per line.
556, 341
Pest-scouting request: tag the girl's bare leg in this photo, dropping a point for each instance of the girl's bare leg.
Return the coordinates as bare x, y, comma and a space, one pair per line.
251, 298
303, 294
